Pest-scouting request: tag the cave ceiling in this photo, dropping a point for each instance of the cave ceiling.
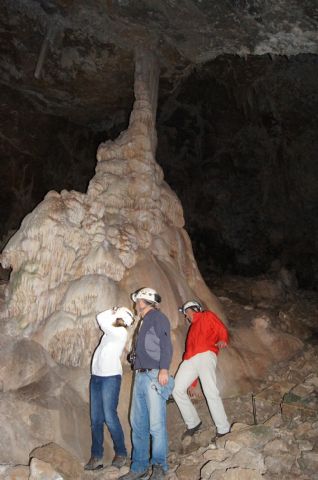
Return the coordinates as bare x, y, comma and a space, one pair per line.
75, 58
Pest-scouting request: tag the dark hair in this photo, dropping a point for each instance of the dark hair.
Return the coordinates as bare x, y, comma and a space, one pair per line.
119, 318
152, 304
158, 298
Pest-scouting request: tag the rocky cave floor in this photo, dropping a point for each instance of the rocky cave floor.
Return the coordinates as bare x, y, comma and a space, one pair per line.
275, 428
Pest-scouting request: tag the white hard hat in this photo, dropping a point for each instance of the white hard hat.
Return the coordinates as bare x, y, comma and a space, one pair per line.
148, 294
196, 306
125, 314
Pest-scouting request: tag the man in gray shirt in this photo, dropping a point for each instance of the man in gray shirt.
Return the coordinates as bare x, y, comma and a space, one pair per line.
152, 388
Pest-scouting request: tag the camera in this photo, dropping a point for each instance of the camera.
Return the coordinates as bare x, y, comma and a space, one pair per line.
131, 357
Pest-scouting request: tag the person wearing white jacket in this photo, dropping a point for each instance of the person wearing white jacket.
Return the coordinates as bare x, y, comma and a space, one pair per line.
105, 386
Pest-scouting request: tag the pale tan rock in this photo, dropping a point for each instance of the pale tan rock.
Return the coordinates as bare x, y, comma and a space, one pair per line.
22, 362
210, 467
303, 390
275, 421
232, 447
204, 437
276, 445
303, 429
248, 458
172, 476
237, 426
280, 463
40, 470
18, 472
237, 474
304, 445
25, 421
193, 458
312, 379
308, 462
37, 413
189, 447
216, 475
253, 437
60, 460
188, 472
217, 455
173, 458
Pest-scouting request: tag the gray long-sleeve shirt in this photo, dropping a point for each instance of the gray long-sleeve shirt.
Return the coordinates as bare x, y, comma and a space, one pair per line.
153, 346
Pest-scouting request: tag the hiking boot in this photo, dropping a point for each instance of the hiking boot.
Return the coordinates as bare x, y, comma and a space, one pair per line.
134, 475
119, 461
157, 473
94, 463
219, 435
191, 431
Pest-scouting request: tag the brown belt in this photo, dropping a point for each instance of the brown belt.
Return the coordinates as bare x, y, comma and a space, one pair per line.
143, 370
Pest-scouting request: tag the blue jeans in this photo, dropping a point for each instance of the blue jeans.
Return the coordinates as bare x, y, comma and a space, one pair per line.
104, 393
148, 418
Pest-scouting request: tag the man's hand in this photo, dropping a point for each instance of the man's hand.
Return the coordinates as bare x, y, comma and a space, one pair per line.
221, 344
163, 376
191, 392
195, 392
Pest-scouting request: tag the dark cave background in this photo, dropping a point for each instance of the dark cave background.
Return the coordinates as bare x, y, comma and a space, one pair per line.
237, 140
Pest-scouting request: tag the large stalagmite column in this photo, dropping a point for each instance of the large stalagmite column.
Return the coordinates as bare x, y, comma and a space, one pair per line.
77, 254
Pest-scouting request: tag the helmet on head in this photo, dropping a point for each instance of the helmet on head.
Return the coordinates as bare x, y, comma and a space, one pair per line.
148, 294
196, 306
125, 314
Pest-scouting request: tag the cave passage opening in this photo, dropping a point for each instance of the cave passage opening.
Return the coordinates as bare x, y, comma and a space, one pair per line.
238, 143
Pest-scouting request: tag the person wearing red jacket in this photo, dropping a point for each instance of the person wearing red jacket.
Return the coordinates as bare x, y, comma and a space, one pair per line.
206, 335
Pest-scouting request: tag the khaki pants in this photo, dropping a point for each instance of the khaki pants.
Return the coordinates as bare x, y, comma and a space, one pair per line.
202, 366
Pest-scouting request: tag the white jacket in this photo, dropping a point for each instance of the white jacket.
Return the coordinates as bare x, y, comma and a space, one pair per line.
106, 358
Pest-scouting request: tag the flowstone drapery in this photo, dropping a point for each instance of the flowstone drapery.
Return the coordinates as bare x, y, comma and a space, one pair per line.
77, 254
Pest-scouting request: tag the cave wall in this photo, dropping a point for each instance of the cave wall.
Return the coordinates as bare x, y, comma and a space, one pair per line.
238, 143
38, 152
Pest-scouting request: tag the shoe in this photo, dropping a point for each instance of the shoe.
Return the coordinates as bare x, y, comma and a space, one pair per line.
157, 473
219, 435
94, 463
191, 431
134, 475
119, 461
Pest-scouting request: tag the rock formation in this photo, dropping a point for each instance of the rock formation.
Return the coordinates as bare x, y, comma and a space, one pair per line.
77, 254
276, 439
237, 110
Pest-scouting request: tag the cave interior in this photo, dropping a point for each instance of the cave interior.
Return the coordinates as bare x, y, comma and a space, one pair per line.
237, 117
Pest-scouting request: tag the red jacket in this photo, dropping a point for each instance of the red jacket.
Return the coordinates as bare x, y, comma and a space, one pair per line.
205, 331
